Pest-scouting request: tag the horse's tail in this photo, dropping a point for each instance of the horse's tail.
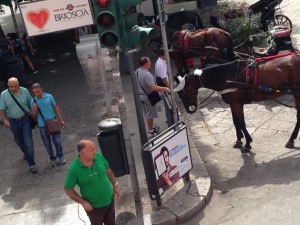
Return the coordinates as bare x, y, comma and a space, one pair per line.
229, 52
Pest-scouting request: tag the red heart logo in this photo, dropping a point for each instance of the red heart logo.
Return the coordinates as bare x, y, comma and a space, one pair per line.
38, 18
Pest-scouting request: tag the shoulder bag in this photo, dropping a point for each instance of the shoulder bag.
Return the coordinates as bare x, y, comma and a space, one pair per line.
52, 125
32, 120
153, 96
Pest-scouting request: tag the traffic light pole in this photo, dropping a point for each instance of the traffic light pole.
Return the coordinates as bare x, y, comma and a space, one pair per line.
127, 140
166, 50
186, 178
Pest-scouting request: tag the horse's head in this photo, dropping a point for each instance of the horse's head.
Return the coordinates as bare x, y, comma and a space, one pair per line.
187, 89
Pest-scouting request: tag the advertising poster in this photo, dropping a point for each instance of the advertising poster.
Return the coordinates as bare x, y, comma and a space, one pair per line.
171, 160
42, 17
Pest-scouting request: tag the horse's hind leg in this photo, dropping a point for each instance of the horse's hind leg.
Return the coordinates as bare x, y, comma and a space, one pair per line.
290, 143
247, 146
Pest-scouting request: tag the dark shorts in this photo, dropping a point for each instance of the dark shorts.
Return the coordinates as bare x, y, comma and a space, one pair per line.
105, 215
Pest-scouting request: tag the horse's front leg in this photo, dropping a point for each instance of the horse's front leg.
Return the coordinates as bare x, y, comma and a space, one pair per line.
239, 133
237, 110
290, 143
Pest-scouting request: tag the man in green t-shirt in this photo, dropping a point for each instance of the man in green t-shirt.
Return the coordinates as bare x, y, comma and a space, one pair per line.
97, 183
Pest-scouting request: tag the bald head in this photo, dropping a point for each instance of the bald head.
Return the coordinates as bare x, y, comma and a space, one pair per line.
83, 144
87, 151
13, 85
12, 80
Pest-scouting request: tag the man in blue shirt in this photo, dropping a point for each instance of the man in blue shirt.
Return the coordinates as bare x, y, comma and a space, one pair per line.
17, 120
49, 109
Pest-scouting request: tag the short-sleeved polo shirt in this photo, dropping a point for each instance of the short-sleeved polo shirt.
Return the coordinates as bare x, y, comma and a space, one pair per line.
45, 105
95, 186
10, 107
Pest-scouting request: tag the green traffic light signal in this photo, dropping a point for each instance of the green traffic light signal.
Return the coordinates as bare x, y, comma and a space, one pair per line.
150, 32
131, 32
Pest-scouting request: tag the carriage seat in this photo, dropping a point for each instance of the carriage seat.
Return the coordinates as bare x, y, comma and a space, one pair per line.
279, 41
280, 31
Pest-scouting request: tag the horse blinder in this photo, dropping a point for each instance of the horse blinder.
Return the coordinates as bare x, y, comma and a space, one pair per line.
183, 95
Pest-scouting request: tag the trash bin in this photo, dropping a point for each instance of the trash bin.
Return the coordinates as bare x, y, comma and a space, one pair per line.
111, 142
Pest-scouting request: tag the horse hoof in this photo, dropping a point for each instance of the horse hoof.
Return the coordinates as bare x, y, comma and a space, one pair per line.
245, 150
289, 144
238, 144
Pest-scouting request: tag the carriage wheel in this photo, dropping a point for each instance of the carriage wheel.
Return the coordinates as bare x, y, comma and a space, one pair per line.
279, 20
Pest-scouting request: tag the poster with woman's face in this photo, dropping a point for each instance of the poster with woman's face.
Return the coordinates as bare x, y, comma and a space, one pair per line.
171, 161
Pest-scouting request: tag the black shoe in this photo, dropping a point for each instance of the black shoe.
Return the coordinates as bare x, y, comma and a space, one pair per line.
33, 169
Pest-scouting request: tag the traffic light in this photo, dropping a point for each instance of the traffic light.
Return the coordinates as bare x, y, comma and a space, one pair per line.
130, 25
107, 22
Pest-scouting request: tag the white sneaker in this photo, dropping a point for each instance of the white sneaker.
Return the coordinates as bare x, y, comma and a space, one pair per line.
62, 161
53, 163
156, 127
153, 132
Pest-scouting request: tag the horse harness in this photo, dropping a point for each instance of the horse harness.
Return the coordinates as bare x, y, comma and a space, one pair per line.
252, 73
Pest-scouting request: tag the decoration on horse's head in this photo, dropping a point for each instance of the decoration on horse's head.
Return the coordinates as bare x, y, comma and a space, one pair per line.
181, 84
198, 72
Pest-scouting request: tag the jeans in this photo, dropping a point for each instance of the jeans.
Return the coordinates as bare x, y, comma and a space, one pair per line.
23, 138
47, 142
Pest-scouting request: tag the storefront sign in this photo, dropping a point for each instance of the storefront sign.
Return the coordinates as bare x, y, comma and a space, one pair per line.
42, 17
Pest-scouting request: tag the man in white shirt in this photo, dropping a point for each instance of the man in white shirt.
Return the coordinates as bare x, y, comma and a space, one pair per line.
161, 70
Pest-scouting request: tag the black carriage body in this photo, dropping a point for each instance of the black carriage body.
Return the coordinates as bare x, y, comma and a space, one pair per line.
266, 8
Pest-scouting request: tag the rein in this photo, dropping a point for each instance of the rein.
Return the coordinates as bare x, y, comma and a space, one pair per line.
201, 106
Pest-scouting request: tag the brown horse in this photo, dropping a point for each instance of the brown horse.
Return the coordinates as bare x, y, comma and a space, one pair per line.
213, 43
275, 77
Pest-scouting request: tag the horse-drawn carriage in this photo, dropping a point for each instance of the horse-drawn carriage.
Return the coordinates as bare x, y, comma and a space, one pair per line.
271, 42
270, 14
217, 45
242, 81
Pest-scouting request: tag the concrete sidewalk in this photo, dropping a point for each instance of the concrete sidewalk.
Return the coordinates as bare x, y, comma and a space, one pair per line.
40, 199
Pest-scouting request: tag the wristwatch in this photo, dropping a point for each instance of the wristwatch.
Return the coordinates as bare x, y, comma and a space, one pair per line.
116, 184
